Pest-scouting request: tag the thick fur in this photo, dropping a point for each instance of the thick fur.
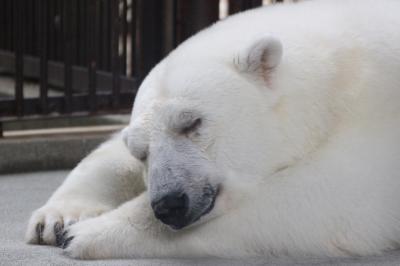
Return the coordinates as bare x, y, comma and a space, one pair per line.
301, 122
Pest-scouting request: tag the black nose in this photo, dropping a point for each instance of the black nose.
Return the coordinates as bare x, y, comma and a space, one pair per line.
171, 209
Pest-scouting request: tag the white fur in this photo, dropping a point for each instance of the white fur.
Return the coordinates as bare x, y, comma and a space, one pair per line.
309, 150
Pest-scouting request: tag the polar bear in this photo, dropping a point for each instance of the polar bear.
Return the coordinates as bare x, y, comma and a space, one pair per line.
273, 132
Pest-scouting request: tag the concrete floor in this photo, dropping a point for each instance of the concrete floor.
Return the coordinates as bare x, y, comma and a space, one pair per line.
20, 194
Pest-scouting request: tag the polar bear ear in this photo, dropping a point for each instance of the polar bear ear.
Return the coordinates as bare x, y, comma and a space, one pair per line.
262, 56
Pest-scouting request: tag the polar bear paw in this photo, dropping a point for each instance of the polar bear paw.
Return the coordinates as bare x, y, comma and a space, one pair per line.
91, 239
48, 223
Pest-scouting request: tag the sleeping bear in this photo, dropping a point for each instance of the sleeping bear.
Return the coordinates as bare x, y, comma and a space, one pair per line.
272, 132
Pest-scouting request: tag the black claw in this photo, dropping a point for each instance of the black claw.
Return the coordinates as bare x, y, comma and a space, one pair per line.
63, 240
58, 231
58, 228
39, 232
60, 237
67, 242
64, 234
59, 241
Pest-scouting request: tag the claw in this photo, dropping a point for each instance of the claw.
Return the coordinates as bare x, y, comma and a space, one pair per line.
66, 242
65, 232
39, 233
63, 240
58, 231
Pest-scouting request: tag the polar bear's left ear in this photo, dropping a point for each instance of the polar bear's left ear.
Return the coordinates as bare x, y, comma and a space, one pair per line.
262, 56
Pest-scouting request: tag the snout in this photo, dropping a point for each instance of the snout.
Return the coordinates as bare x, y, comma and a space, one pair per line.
180, 208
172, 209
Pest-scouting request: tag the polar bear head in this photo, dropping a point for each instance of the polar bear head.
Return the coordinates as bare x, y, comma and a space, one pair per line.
202, 118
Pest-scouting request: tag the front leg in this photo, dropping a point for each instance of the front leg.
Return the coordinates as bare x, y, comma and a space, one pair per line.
103, 180
271, 220
132, 231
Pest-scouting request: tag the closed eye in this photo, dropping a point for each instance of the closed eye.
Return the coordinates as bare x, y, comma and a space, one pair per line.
192, 127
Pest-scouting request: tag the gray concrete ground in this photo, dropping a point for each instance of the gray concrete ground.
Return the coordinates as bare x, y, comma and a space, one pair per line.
20, 194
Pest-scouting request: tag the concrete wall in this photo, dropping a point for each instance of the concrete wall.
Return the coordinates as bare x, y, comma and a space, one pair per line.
46, 152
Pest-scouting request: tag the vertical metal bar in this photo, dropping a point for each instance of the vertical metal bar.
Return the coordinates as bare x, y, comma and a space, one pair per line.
35, 32
193, 15
99, 33
76, 7
80, 32
107, 50
103, 35
168, 22
116, 27
59, 10
80, 35
67, 56
11, 26
19, 63
124, 35
3, 24
31, 26
75, 29
42, 24
236, 6
84, 35
52, 34
133, 38
149, 36
92, 52
27, 26
85, 28
56, 31
1, 130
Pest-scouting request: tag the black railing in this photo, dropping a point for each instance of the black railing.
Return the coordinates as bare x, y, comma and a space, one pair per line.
88, 56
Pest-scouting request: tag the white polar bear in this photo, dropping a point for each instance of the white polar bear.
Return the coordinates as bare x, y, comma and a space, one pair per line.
275, 131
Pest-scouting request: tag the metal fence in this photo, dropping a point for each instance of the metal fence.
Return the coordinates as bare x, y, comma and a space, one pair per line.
92, 54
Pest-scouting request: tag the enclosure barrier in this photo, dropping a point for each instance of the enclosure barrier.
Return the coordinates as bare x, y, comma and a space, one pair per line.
90, 54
